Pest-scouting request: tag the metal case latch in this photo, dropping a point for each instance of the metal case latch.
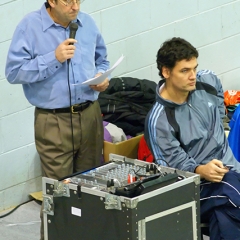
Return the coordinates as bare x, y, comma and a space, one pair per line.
48, 206
112, 202
197, 180
61, 190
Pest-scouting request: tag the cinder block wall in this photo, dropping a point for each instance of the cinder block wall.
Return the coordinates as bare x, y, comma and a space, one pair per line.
134, 28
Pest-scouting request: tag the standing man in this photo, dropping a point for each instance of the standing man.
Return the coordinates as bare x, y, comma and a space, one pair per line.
198, 143
51, 67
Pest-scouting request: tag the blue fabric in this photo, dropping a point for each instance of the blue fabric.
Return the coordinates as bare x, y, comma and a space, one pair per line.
234, 134
224, 224
202, 136
31, 60
220, 207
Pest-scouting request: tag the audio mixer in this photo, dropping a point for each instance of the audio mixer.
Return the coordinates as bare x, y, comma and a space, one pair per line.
125, 179
123, 199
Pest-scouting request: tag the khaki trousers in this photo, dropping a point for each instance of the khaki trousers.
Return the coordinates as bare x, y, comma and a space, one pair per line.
53, 139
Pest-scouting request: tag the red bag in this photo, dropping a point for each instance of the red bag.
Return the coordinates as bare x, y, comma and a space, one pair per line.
143, 151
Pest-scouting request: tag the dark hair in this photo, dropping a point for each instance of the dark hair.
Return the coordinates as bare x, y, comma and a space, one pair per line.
47, 4
172, 51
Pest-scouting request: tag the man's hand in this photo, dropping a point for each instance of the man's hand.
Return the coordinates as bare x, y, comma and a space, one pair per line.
213, 171
102, 86
65, 50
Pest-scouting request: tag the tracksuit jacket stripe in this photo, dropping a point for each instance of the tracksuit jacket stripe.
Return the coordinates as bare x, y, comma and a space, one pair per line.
153, 117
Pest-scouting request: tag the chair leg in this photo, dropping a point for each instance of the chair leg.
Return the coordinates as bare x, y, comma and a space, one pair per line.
204, 230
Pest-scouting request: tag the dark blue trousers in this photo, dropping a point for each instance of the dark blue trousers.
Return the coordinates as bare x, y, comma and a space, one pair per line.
220, 207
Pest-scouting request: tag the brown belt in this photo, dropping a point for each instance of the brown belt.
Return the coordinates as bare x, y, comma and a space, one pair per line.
74, 109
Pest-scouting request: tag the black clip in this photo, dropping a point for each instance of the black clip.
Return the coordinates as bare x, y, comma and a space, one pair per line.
79, 191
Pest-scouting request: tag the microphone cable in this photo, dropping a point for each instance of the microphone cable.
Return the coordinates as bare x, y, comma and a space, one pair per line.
73, 27
70, 103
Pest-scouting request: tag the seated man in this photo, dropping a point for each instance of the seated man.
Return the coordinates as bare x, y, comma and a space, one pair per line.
184, 130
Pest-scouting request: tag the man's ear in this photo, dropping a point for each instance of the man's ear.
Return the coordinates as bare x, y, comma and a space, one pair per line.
165, 72
51, 3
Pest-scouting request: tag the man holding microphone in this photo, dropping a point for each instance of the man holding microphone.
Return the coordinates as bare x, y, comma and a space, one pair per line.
51, 67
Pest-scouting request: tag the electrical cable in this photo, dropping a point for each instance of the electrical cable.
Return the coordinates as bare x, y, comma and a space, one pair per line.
163, 161
136, 172
73, 29
70, 103
2, 216
157, 167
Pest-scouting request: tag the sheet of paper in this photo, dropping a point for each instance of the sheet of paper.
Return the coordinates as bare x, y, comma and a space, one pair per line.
101, 78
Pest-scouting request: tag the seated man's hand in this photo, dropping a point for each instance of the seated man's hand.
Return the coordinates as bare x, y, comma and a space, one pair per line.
213, 171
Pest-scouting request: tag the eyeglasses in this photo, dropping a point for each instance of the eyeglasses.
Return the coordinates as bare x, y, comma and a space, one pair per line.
70, 2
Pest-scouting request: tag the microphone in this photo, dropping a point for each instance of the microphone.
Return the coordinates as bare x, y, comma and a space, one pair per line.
73, 29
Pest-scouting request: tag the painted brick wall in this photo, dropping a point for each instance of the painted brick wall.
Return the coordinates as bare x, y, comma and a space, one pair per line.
134, 28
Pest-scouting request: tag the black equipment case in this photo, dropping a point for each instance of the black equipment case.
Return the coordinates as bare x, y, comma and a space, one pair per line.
124, 199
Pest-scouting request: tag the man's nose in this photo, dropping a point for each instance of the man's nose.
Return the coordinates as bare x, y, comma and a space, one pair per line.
192, 74
75, 5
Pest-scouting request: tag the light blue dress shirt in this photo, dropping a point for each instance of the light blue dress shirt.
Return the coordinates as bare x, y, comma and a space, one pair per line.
31, 60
